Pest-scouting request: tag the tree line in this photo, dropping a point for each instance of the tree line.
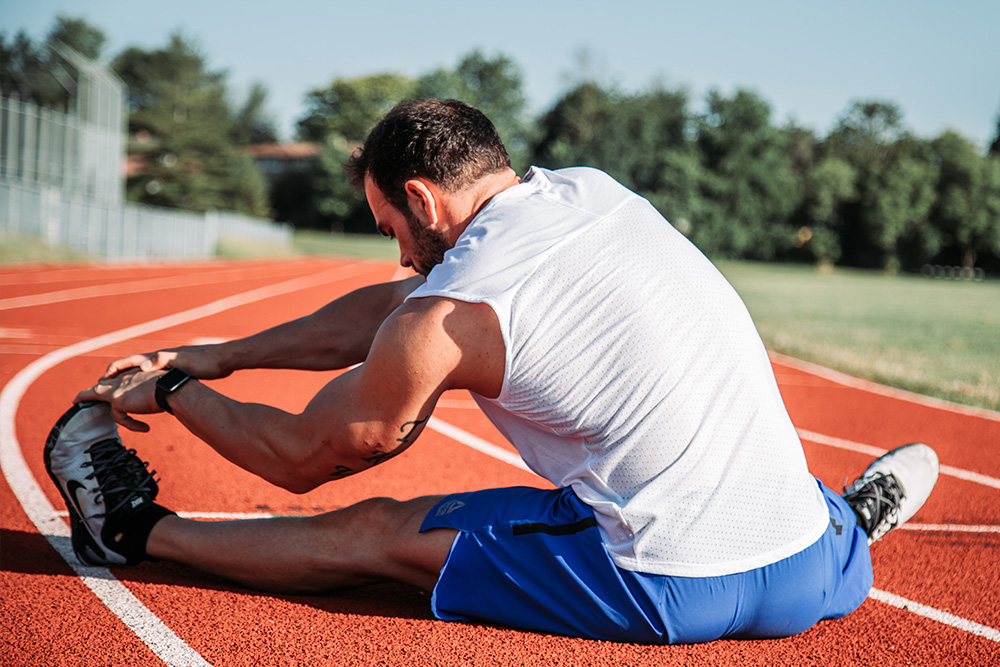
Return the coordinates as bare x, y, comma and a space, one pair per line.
869, 193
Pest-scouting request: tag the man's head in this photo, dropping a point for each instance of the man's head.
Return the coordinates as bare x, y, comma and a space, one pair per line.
447, 142
426, 168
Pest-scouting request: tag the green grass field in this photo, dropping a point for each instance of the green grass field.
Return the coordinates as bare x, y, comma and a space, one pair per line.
939, 338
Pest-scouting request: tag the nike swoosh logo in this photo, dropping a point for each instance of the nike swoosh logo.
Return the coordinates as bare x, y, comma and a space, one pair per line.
72, 488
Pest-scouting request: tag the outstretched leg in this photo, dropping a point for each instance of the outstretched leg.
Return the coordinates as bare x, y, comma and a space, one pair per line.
115, 520
375, 540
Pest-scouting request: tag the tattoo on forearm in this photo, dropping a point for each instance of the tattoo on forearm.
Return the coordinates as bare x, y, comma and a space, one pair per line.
406, 439
378, 456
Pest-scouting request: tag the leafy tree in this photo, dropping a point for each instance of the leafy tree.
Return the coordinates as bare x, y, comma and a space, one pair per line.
995, 146
339, 118
351, 107
641, 140
77, 34
750, 190
896, 203
830, 183
888, 221
37, 73
967, 206
574, 131
495, 86
182, 127
867, 131
252, 124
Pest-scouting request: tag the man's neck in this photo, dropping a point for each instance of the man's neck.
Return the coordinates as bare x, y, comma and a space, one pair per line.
466, 205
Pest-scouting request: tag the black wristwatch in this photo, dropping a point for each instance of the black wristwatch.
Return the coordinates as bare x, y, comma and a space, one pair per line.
168, 383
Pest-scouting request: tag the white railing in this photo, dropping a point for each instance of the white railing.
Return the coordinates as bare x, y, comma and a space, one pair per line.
124, 231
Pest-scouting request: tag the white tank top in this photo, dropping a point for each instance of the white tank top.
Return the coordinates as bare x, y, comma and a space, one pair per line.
634, 375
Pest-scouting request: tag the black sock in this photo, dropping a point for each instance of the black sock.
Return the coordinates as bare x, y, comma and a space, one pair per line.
129, 536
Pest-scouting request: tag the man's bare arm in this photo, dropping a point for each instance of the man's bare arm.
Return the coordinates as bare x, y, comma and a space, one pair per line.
359, 419
336, 336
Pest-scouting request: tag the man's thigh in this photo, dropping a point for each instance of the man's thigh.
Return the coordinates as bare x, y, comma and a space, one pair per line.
534, 559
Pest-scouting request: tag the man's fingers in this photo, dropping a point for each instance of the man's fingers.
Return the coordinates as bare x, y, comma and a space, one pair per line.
128, 422
141, 361
89, 395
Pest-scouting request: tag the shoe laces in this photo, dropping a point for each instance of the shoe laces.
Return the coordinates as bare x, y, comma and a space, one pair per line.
121, 476
876, 503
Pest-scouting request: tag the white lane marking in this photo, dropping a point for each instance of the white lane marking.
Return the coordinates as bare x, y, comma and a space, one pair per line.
115, 595
119, 599
949, 528
477, 443
935, 614
236, 516
840, 443
116, 289
881, 389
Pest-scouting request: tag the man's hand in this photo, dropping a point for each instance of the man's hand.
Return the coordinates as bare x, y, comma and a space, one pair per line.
130, 392
202, 361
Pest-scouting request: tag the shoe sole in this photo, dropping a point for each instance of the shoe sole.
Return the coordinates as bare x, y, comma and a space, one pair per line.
81, 538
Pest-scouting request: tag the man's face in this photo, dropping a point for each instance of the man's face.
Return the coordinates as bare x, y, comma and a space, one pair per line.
419, 247
428, 247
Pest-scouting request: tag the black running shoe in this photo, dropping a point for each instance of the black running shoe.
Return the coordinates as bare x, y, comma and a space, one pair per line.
893, 488
106, 487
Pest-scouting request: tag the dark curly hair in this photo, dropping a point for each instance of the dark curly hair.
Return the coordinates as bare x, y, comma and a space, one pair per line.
445, 141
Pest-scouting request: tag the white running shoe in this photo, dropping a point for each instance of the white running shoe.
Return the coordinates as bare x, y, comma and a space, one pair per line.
104, 485
893, 488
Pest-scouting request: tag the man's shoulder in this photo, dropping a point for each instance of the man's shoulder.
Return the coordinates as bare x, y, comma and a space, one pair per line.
462, 338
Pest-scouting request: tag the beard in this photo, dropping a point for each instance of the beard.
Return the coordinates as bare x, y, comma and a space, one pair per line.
429, 245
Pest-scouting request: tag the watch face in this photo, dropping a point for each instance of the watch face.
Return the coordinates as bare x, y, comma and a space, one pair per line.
167, 384
173, 379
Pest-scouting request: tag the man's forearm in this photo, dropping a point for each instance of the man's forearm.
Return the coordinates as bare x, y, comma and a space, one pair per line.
262, 440
336, 336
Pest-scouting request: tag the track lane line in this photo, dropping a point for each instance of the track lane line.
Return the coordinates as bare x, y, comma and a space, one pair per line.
117, 289
872, 387
935, 614
840, 443
153, 632
233, 516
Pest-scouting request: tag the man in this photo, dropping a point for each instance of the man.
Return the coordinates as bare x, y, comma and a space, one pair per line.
598, 340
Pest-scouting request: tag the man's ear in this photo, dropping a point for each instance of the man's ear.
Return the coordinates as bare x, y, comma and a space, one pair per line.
422, 198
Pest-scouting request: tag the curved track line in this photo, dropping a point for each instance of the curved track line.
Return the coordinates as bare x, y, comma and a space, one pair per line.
116, 596
840, 443
935, 614
477, 443
115, 289
881, 389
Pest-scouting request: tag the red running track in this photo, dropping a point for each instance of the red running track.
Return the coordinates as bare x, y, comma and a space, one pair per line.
936, 599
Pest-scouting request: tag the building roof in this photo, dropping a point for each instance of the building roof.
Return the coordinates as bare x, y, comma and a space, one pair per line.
290, 151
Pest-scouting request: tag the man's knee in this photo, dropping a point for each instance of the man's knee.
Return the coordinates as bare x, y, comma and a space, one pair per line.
381, 537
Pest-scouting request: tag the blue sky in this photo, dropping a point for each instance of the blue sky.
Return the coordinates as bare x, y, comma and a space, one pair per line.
940, 62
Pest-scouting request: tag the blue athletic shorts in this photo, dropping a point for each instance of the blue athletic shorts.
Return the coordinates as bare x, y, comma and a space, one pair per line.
533, 559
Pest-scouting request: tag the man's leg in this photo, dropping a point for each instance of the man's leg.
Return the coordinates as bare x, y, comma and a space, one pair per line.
110, 495
375, 540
